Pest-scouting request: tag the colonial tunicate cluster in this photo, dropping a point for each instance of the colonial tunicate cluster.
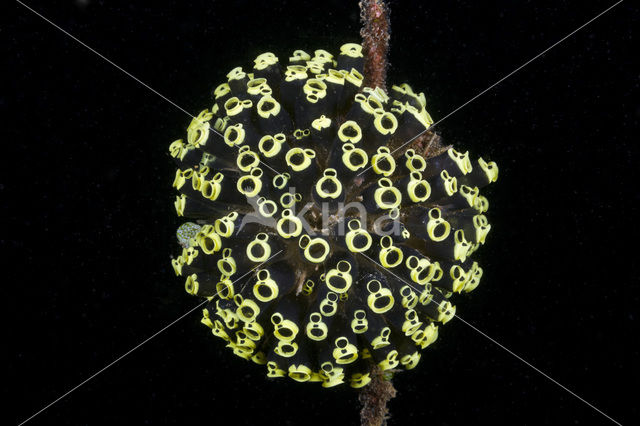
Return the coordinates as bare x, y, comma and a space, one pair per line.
320, 247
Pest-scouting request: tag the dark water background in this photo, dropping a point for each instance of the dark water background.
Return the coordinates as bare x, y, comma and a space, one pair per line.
89, 222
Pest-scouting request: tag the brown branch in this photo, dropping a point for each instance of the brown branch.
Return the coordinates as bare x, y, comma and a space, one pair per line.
374, 399
374, 15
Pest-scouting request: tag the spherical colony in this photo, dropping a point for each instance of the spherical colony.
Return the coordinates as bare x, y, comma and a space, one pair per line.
320, 249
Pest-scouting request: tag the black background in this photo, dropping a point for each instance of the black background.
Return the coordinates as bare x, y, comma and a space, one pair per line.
90, 225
